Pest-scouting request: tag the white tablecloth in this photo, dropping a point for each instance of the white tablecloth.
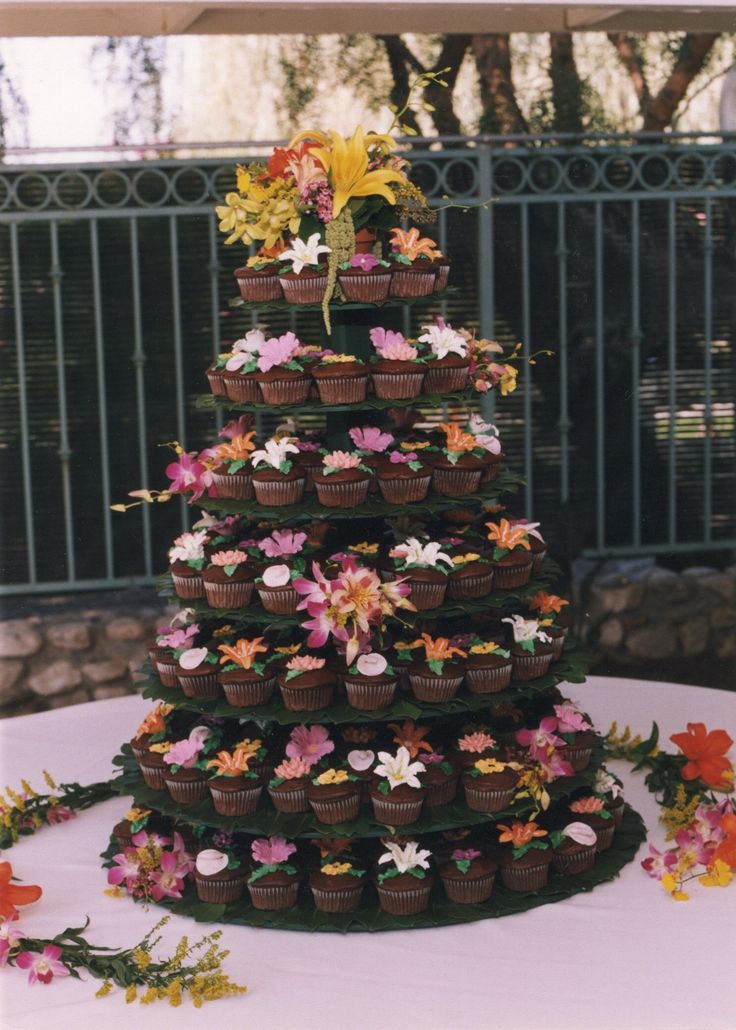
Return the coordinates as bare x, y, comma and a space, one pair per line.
624, 956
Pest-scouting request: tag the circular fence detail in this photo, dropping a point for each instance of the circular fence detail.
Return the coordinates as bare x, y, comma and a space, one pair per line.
655, 172
618, 172
509, 175
582, 173
111, 188
460, 178
72, 190
191, 186
151, 187
723, 170
428, 177
545, 174
32, 191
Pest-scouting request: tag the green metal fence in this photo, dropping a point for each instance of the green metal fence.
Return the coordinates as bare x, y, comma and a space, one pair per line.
617, 255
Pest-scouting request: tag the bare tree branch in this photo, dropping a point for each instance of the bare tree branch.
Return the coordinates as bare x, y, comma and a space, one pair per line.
694, 52
400, 59
567, 89
451, 56
501, 112
627, 48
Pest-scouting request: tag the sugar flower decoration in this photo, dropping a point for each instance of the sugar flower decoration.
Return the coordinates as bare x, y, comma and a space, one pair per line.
282, 542
341, 460
411, 736
274, 453
272, 851
570, 719
581, 833
292, 769
188, 546
303, 254
475, 743
526, 629
519, 833
444, 340
383, 338
587, 806
193, 657
277, 351
414, 552
305, 663
277, 576
243, 653
410, 856
361, 760
370, 439
223, 558
310, 744
371, 664
398, 769
210, 861
547, 603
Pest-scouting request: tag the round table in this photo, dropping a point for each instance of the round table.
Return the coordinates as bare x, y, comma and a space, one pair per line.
624, 956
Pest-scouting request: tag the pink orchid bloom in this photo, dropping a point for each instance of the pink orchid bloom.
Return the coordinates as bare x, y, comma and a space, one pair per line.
143, 838
541, 738
310, 446
552, 766
381, 338
59, 814
179, 639
277, 351
570, 719
185, 474
43, 967
658, 863
368, 438
400, 458
271, 851
692, 847
169, 881
184, 753
128, 865
282, 542
309, 744
433, 758
9, 938
236, 427
365, 262
707, 823
467, 855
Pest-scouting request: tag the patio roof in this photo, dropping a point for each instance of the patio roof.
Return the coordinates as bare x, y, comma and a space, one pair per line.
246, 17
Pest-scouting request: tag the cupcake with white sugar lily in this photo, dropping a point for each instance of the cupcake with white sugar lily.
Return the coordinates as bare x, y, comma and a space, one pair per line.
448, 362
531, 651
404, 477
370, 682
234, 787
281, 371
364, 278
487, 436
240, 368
490, 784
577, 732
228, 579
397, 793
197, 673
489, 667
459, 466
186, 561
574, 848
341, 379
610, 789
303, 273
306, 684
468, 876
233, 476
404, 885
397, 369
277, 480
247, 675
274, 881
424, 567
343, 481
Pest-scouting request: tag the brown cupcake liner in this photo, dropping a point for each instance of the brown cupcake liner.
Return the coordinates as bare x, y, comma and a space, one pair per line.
572, 863
153, 776
443, 277
617, 812
404, 491
369, 696
508, 577
439, 689
404, 903
446, 380
470, 587
243, 389
345, 899
525, 878
260, 288
276, 494
167, 674
139, 751
368, 289
412, 283
270, 897
229, 595
457, 482
531, 667
538, 561
237, 488
186, 792
217, 384
279, 600
246, 694
439, 794
190, 588
342, 495
286, 391
207, 687
396, 813
578, 757
467, 891
605, 836
290, 801
309, 290
219, 892
343, 390
229, 802
425, 596
397, 386
558, 646
336, 810
306, 699
488, 800
488, 681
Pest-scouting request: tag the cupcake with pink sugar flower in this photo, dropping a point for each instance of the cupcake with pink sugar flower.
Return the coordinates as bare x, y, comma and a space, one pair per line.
440, 778
308, 746
281, 374
185, 762
364, 278
573, 848
274, 881
306, 683
371, 444
468, 876
404, 476
343, 481
228, 579
220, 872
577, 734
397, 370
473, 744
286, 551
186, 561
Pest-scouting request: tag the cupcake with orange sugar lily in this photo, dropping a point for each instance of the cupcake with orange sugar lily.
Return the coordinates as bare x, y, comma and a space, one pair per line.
548, 609
459, 465
233, 475
413, 263
525, 862
248, 675
438, 675
234, 788
512, 557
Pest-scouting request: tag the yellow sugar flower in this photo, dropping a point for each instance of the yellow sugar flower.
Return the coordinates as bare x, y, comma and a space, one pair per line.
488, 648
337, 868
489, 765
250, 747
133, 815
332, 776
364, 548
461, 559
161, 749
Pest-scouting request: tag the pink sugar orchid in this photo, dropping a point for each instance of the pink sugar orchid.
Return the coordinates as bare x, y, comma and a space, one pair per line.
433, 758
467, 855
277, 351
570, 719
402, 457
382, 338
282, 542
369, 438
43, 967
309, 744
271, 851
179, 639
658, 863
365, 262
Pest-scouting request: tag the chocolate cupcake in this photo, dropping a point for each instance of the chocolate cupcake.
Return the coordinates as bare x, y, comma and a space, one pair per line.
468, 876
306, 684
336, 887
403, 478
228, 580
217, 881
489, 786
341, 379
334, 796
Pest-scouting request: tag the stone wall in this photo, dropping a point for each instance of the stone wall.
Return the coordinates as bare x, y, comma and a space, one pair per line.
62, 651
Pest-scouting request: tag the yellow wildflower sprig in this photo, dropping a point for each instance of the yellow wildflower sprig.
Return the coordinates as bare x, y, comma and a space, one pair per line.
24, 811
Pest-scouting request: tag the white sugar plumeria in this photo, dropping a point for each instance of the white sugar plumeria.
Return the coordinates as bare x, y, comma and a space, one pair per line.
211, 861
526, 629
371, 664
276, 576
406, 858
398, 769
274, 453
581, 834
606, 784
414, 552
193, 657
188, 546
361, 760
302, 254
444, 340
183, 617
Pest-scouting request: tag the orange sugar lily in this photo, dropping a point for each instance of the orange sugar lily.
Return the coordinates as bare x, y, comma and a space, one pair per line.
705, 751
506, 536
238, 449
545, 603
411, 244
230, 764
409, 735
438, 649
12, 894
519, 833
242, 653
154, 722
457, 440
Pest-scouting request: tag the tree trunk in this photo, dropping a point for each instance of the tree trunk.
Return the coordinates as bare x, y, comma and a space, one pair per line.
501, 113
567, 89
661, 109
452, 54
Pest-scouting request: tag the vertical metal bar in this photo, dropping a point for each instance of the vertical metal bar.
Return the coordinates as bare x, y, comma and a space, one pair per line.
181, 430
672, 372
527, 350
708, 372
214, 270
25, 436
101, 398
442, 244
486, 268
564, 423
636, 338
55, 275
600, 436
139, 360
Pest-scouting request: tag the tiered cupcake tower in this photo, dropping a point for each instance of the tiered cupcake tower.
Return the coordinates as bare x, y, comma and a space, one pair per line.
359, 723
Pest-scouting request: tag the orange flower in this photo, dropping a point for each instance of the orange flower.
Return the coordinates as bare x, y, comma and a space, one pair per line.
519, 834
726, 850
547, 603
12, 894
227, 764
154, 722
410, 736
457, 440
333, 846
506, 536
411, 244
438, 650
238, 449
243, 653
705, 752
